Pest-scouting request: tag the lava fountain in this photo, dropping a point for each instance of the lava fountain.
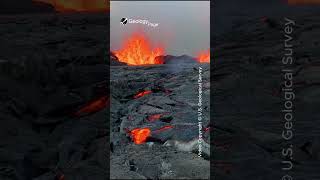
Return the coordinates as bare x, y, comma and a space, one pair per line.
137, 50
204, 57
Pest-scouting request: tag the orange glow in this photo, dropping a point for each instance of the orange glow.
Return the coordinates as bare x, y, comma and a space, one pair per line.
93, 106
77, 5
204, 57
303, 2
136, 50
139, 136
143, 93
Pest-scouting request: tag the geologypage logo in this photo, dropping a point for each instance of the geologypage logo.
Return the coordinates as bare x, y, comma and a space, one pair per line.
146, 22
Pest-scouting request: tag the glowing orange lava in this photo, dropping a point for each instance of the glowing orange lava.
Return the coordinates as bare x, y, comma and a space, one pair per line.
143, 93
137, 50
204, 57
77, 5
140, 135
303, 2
93, 106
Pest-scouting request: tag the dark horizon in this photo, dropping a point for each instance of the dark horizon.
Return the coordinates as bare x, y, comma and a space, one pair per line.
15, 7
24, 7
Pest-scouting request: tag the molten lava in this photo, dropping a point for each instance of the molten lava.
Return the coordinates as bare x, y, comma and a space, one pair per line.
137, 50
204, 57
140, 135
93, 106
77, 5
141, 94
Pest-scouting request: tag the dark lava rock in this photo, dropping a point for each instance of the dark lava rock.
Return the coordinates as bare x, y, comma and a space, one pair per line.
114, 61
24, 6
169, 59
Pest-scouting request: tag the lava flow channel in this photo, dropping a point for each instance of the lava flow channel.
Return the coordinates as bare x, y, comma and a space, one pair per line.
204, 57
137, 50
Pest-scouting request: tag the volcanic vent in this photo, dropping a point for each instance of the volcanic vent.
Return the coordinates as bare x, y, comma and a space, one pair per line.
137, 49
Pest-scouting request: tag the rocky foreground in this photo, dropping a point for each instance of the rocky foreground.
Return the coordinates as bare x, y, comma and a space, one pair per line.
169, 107
52, 68
247, 80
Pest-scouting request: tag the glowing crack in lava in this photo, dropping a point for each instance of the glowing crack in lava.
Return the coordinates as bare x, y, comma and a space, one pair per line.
303, 2
137, 50
141, 94
77, 5
140, 135
204, 57
93, 106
